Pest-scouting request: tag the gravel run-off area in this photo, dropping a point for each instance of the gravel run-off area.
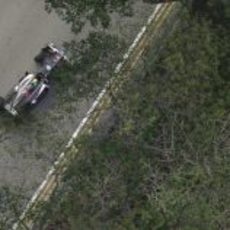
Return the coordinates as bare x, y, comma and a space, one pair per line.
29, 147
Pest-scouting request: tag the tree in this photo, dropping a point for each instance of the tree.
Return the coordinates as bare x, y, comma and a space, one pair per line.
97, 12
165, 163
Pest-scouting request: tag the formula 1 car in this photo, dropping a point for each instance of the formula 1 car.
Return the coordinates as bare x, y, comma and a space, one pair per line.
50, 57
26, 93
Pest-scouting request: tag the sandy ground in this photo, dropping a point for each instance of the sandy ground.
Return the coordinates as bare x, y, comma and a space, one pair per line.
28, 150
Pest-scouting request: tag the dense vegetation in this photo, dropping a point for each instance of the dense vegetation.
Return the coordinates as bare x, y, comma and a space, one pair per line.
93, 60
161, 160
78, 12
97, 12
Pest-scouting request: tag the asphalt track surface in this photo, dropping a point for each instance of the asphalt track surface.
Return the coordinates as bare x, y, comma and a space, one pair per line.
24, 28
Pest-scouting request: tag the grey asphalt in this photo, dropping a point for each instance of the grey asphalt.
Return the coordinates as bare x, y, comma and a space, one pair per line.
24, 28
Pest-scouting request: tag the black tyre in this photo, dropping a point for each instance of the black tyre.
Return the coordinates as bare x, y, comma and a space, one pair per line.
39, 58
2, 102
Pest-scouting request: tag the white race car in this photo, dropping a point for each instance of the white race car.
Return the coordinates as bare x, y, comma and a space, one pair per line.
26, 93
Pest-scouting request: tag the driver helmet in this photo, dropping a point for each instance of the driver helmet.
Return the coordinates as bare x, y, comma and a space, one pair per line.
34, 82
48, 67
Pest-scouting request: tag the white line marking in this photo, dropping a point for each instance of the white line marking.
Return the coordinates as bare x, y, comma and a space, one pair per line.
51, 172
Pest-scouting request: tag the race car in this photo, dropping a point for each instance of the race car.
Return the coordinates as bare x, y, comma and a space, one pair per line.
49, 57
27, 92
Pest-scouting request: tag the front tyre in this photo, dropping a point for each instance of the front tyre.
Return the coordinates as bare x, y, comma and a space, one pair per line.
2, 103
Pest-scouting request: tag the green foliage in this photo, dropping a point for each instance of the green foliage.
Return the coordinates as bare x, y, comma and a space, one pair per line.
77, 12
11, 200
165, 164
87, 53
92, 62
216, 10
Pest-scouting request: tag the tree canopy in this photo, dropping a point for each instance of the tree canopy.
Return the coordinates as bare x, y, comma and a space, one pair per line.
97, 12
77, 12
161, 160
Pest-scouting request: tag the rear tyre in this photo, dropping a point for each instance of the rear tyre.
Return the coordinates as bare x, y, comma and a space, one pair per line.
2, 102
